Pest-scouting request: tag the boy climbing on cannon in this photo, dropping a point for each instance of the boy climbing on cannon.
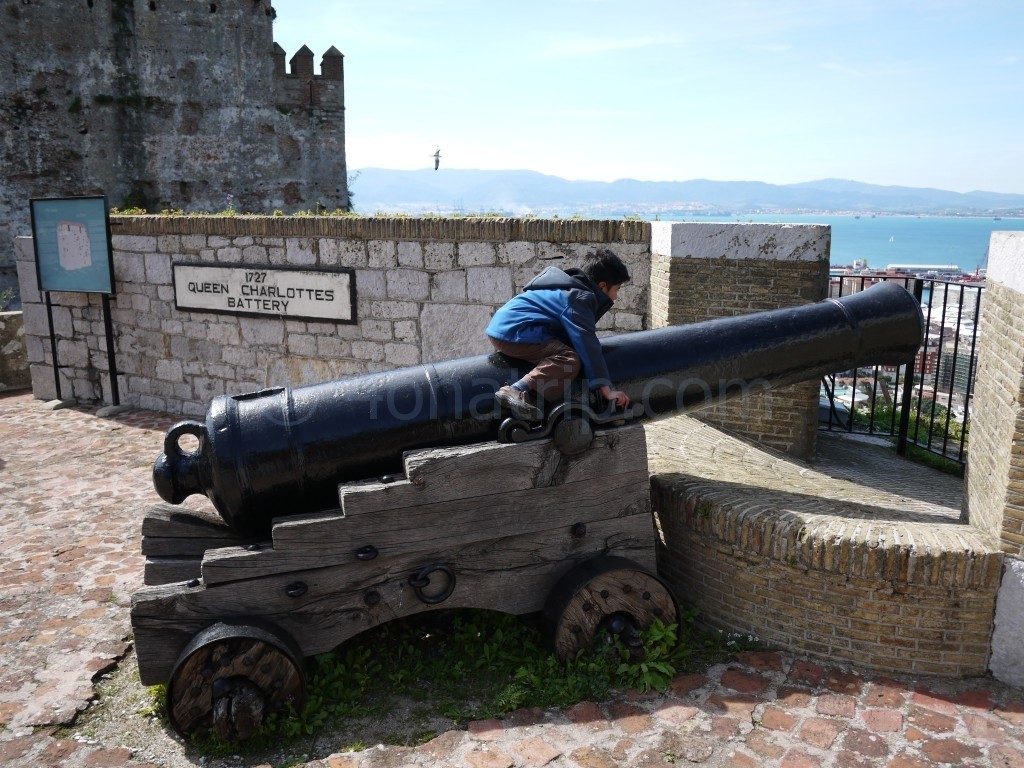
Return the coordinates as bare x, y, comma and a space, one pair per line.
552, 324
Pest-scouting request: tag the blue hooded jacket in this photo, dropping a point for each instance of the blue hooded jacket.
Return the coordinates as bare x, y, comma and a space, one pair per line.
558, 305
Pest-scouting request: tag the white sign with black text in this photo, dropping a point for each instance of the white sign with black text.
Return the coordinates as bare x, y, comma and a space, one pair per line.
302, 294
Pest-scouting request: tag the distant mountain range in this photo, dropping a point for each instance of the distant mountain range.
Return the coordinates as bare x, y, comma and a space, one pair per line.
520, 192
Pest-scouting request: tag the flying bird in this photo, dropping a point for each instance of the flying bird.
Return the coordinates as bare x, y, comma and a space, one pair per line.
437, 158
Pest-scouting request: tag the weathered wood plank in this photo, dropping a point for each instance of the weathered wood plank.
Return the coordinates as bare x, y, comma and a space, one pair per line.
444, 474
165, 570
435, 527
168, 520
170, 531
511, 574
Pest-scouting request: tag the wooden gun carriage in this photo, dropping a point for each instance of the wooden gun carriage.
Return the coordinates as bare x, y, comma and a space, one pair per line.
341, 506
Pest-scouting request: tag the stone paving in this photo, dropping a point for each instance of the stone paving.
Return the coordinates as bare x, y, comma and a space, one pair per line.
73, 487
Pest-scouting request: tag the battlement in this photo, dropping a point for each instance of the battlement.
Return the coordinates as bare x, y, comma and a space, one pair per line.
301, 86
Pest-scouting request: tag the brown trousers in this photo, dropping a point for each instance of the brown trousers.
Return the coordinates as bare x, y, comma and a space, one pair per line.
555, 365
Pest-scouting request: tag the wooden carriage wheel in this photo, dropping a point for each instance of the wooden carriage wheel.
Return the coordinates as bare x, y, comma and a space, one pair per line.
612, 593
231, 676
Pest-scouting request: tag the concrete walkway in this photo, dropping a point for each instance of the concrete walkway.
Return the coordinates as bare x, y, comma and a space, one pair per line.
73, 488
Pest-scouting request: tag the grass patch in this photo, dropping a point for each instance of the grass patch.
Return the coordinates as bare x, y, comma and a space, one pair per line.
452, 667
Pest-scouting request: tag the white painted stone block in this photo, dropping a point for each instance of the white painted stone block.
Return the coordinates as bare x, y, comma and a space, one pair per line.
1006, 259
728, 240
1007, 660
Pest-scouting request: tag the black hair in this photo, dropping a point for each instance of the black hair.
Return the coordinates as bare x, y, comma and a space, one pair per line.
603, 266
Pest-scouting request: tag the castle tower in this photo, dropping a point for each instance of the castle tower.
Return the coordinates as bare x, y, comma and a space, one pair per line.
164, 104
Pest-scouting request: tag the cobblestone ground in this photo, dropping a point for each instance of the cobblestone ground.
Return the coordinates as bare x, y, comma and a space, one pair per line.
73, 490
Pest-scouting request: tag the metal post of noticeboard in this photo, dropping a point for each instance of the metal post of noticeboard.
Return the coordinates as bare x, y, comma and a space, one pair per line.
53, 346
108, 326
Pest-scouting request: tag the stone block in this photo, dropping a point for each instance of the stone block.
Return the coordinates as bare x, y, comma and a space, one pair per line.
1007, 660
489, 285
370, 284
43, 385
729, 240
133, 244
34, 320
517, 253
382, 254
206, 388
477, 254
255, 255
376, 330
301, 344
407, 330
408, 284
261, 331
448, 286
368, 350
129, 267
168, 243
410, 254
439, 257
330, 347
28, 284
401, 355
393, 310
301, 251
169, 370
451, 331
342, 253
229, 255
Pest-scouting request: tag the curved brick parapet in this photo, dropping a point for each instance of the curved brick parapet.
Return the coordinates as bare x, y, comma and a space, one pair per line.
859, 557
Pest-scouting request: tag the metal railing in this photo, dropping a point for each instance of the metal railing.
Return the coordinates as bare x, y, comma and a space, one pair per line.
926, 403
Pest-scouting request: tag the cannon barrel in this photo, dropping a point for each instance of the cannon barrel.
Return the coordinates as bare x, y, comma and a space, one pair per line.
283, 451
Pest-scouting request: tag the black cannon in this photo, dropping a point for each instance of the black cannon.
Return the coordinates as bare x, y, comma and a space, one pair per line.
283, 451
345, 505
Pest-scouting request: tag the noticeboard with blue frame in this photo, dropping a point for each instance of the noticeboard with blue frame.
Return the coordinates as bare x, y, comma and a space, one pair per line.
72, 244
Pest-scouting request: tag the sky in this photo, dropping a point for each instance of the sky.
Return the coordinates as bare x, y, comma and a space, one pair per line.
918, 93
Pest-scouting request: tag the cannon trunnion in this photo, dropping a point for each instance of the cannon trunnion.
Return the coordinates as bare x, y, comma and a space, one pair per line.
341, 506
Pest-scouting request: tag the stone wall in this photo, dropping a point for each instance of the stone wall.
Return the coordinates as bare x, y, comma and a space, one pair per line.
425, 289
169, 105
710, 270
13, 361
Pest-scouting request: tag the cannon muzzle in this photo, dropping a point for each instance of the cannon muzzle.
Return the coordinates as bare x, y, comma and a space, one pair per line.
283, 451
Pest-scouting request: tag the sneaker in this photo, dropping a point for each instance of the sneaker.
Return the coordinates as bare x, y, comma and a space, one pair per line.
522, 404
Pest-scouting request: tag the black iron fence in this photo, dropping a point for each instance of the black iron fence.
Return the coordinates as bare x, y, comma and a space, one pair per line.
926, 403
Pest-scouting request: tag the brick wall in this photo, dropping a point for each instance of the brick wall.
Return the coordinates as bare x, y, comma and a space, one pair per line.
994, 501
426, 289
709, 270
818, 563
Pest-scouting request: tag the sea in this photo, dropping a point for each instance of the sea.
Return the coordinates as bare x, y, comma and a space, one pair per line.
883, 240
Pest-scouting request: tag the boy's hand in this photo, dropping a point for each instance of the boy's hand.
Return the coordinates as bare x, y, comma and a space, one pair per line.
621, 399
